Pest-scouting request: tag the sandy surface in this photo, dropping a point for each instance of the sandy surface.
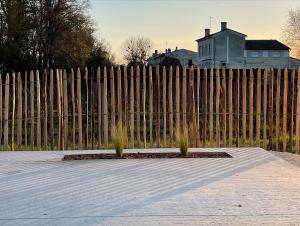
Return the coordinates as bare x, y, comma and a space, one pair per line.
292, 158
255, 187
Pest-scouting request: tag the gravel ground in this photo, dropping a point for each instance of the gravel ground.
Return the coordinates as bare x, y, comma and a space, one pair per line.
290, 157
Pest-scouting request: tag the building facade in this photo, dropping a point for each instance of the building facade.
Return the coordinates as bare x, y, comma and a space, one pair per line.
180, 57
230, 48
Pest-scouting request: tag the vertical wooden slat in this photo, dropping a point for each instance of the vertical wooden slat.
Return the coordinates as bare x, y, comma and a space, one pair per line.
105, 106
157, 74
51, 99
230, 106
86, 130
13, 111
165, 105
112, 98
171, 117
277, 129
99, 104
144, 106
265, 106
271, 110
92, 108
59, 111
73, 109
38, 103
218, 107
6, 110
204, 105
291, 108
150, 106
284, 122
138, 102
119, 96
79, 108
251, 106
25, 108
198, 104
45, 116
184, 98
298, 112
198, 99
258, 106
126, 118
244, 116
177, 101
211, 107
20, 108
192, 121
1, 119
66, 110
237, 122
62, 145
32, 109
132, 105
224, 106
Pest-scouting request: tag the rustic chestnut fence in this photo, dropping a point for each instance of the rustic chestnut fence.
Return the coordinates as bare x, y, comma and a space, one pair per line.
77, 109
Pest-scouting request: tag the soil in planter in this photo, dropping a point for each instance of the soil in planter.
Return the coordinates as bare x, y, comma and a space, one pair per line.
155, 155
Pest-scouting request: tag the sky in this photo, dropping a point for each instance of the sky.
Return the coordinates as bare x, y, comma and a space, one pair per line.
171, 23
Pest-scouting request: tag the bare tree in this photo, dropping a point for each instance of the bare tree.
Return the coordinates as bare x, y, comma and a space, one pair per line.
136, 50
291, 31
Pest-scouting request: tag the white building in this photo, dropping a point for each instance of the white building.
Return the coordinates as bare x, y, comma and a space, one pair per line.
228, 47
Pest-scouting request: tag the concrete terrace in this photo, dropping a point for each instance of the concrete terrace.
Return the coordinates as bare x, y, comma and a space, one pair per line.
253, 188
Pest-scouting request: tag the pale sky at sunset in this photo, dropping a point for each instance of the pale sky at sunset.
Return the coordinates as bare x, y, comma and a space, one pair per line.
181, 22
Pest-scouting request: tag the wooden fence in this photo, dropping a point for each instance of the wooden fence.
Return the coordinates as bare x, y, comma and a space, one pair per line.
77, 109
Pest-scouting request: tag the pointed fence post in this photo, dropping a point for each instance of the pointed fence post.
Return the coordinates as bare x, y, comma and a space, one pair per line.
171, 117
224, 106
230, 96
265, 107
277, 129
6, 110
45, 118
99, 103
237, 130
38, 103
151, 106
285, 96
20, 109
51, 99
165, 105
204, 105
211, 106
251, 106
13, 112
258, 106
32, 109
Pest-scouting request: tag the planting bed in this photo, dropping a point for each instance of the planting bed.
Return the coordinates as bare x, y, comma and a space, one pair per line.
148, 155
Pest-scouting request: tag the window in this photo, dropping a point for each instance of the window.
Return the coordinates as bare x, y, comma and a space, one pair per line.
209, 50
265, 54
275, 54
254, 54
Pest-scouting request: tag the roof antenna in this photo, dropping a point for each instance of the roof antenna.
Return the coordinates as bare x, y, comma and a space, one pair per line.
210, 21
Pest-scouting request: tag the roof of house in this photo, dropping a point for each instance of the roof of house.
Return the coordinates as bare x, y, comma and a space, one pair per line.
265, 45
217, 33
171, 53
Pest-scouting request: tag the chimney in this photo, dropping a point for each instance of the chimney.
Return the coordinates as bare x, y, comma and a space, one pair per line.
207, 32
223, 26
